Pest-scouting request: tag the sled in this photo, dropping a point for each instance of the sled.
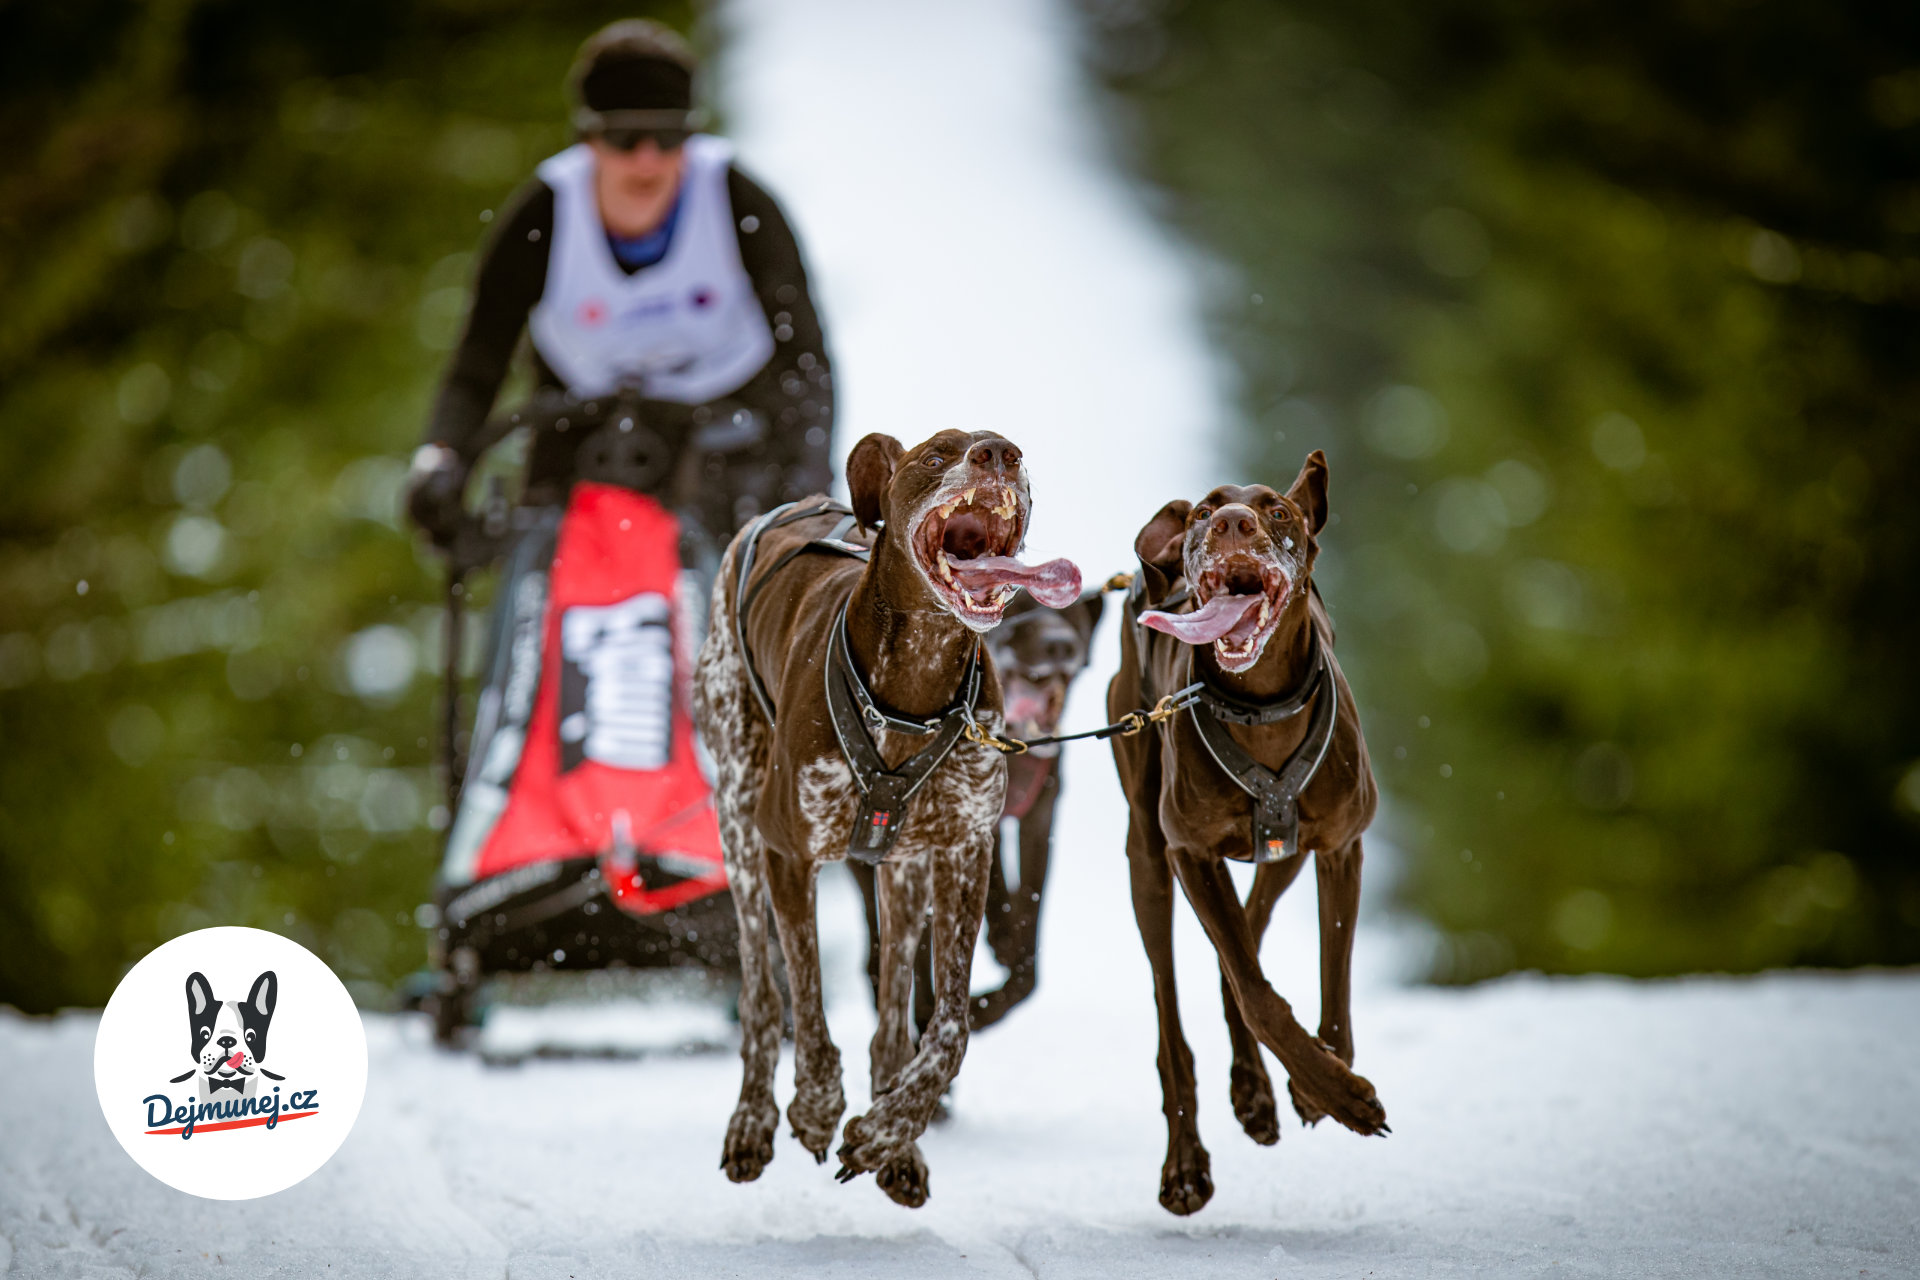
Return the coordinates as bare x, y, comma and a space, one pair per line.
582, 833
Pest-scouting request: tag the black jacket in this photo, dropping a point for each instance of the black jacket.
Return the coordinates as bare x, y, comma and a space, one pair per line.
793, 391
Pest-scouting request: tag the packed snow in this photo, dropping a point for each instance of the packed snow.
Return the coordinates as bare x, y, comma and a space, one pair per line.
982, 264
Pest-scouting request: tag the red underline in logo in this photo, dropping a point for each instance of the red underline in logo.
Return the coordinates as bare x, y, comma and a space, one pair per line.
238, 1124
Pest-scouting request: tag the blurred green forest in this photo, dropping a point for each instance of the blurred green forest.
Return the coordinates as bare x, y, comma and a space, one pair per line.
234, 246
1606, 316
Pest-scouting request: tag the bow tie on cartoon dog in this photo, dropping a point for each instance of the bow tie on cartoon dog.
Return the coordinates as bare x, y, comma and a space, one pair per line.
229, 1037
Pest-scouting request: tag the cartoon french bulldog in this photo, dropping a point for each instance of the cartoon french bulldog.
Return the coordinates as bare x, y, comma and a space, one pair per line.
229, 1037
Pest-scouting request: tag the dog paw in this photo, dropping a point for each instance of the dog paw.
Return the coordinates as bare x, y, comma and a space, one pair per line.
1326, 1085
814, 1114
749, 1147
904, 1178
1186, 1180
1309, 1112
1253, 1104
860, 1150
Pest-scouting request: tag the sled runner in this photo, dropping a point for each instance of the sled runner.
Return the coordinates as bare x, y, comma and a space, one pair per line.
582, 833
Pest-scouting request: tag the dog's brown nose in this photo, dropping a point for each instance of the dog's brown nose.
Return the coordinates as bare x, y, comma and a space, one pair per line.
997, 455
1233, 521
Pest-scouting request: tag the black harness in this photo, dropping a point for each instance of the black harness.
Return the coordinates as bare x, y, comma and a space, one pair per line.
1275, 792
855, 714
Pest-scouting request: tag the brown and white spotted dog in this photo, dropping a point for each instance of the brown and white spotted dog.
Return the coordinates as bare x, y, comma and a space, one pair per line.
1224, 599
951, 514
1037, 652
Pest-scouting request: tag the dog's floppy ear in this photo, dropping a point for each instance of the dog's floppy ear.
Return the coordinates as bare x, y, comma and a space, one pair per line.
202, 1008
869, 472
1309, 491
1087, 615
257, 1011
1159, 546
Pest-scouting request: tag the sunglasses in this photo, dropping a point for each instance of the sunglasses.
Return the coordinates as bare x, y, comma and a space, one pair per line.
629, 139
625, 130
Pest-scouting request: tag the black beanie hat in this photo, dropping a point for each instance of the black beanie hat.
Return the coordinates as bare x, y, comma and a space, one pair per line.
633, 65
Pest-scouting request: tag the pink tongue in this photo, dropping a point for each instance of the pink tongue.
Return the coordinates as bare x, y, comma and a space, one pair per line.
1025, 706
1055, 584
236, 1060
1206, 624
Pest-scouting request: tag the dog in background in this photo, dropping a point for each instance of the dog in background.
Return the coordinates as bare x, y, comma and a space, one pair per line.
1268, 766
229, 1037
1038, 652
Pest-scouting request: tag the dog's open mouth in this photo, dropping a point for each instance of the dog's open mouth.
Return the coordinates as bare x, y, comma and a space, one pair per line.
1032, 707
966, 548
1237, 606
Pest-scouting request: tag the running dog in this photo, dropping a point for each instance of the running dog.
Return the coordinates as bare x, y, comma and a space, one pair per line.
229, 1037
1037, 652
1264, 763
848, 707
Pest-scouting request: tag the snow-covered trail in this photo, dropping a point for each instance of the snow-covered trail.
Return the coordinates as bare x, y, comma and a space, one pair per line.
980, 266
1703, 1128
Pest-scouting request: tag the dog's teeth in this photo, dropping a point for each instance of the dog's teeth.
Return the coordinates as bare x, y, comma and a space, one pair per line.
946, 567
967, 497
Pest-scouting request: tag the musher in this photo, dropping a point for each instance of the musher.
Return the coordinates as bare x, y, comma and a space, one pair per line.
642, 258
669, 314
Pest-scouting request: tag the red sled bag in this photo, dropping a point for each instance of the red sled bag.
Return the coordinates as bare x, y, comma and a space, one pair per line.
583, 744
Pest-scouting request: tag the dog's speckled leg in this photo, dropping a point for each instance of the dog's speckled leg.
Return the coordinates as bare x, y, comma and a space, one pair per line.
737, 738
818, 1100
883, 1139
901, 890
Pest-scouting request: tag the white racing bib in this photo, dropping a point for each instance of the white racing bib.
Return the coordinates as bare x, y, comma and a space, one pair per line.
687, 329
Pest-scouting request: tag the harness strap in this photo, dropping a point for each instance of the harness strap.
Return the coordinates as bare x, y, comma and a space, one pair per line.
1275, 793
884, 792
747, 589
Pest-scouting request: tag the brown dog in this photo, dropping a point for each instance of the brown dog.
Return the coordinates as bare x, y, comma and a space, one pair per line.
1223, 611
1037, 653
824, 688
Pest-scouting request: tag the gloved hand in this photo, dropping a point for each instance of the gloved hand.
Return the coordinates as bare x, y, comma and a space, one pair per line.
435, 484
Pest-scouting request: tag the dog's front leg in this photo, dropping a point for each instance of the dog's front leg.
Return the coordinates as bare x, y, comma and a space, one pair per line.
885, 1139
900, 892
1186, 1177
1337, 876
1249, 1087
1313, 1065
817, 1098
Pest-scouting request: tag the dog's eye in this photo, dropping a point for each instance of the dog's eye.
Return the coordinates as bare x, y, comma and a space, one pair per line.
249, 1033
1202, 513
935, 461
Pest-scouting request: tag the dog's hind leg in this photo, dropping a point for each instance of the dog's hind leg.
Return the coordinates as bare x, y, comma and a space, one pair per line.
1249, 1086
1016, 909
818, 1100
1316, 1070
749, 1144
884, 1140
737, 737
